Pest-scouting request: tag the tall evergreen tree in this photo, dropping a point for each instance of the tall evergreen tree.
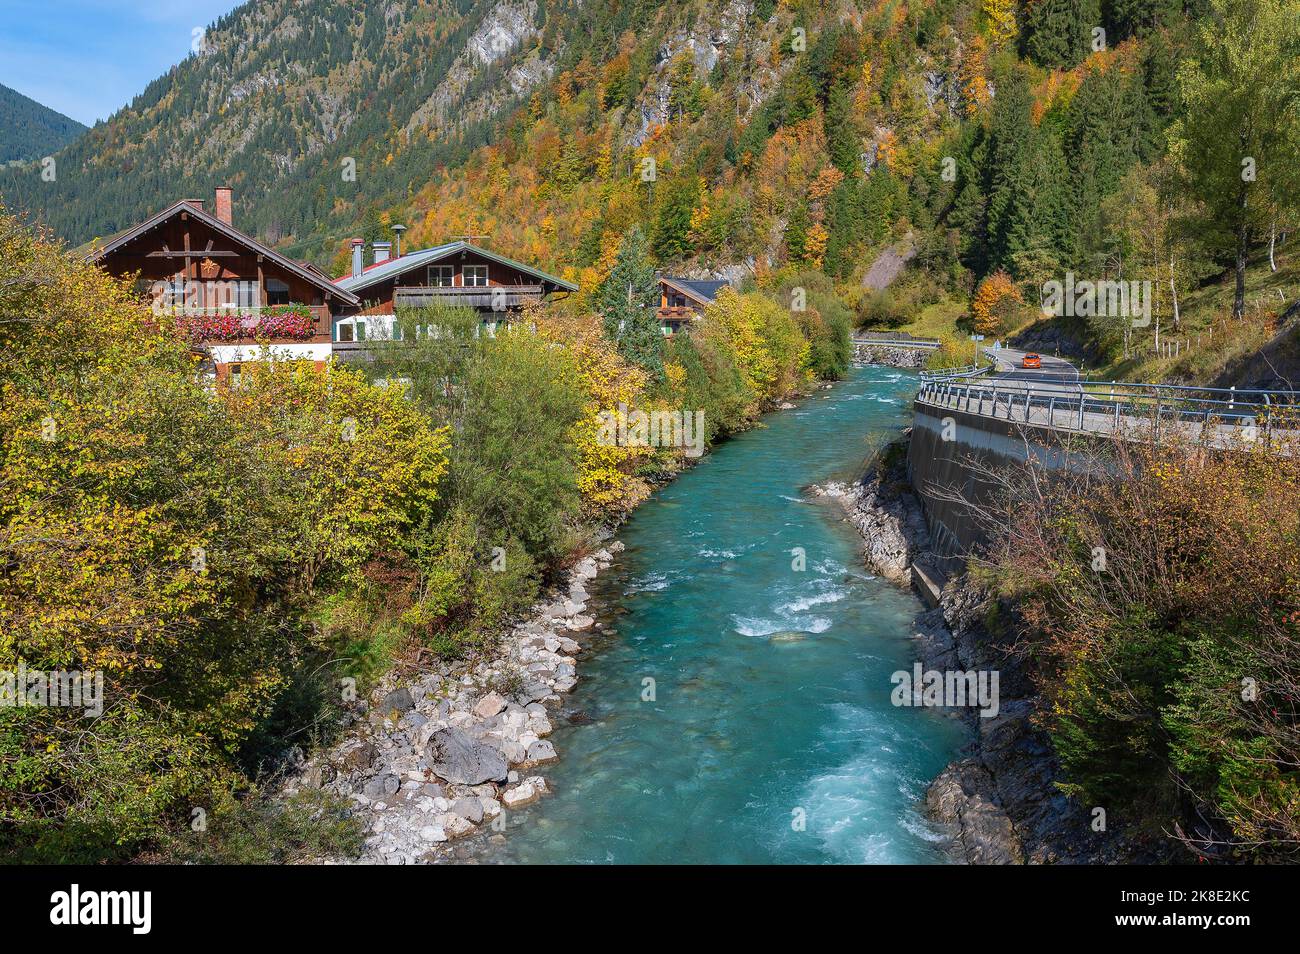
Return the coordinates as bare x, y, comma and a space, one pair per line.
1011, 147
842, 132
670, 234
1058, 33
627, 301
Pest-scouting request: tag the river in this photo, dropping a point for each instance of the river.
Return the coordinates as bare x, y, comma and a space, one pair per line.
735, 708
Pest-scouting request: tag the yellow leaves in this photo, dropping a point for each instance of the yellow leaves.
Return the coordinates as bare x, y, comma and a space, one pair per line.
700, 214
994, 297
1001, 18
770, 351
674, 375
815, 244
606, 472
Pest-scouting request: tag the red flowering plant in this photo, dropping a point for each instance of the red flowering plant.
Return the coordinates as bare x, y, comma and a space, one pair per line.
293, 322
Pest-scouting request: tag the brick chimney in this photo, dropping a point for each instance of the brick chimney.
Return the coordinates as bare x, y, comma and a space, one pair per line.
358, 256
383, 251
223, 205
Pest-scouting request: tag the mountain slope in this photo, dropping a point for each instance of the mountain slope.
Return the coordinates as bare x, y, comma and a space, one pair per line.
29, 130
312, 111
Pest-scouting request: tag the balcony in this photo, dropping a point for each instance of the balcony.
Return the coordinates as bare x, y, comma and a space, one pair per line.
480, 297
247, 318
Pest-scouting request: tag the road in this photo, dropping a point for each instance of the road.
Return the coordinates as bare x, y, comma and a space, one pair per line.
1055, 375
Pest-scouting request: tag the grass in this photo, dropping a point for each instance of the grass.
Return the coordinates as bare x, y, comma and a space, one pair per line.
1207, 316
1211, 341
937, 320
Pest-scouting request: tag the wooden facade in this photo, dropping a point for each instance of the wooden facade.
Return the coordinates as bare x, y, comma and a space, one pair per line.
682, 300
457, 274
188, 262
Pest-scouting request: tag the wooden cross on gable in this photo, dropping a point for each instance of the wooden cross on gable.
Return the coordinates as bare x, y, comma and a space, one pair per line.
208, 252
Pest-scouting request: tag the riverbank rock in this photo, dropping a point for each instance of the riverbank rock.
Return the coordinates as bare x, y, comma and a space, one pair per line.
886, 514
909, 358
431, 761
456, 757
1000, 803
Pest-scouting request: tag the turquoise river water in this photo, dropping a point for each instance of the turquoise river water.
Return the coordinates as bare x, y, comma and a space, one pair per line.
771, 685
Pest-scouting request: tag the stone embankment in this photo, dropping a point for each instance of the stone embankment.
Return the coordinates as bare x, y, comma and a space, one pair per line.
999, 803
891, 357
438, 756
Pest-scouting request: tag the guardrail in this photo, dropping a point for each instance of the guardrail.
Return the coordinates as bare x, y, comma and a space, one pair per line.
1117, 408
956, 374
877, 339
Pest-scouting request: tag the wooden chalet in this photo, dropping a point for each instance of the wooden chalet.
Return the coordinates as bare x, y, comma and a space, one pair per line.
230, 290
457, 274
681, 300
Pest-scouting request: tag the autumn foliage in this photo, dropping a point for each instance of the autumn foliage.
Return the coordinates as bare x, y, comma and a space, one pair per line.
995, 303
1161, 609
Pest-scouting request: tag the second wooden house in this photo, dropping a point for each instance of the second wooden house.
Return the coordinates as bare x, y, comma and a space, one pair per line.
455, 274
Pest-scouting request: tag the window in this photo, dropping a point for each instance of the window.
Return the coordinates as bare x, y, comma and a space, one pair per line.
440, 276
236, 375
474, 276
343, 331
277, 292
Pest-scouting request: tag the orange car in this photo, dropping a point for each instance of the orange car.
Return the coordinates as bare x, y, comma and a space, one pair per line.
1031, 360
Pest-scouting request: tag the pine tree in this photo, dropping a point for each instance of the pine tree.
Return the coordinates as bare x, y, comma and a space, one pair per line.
842, 131
1011, 147
1058, 33
627, 300
670, 235
796, 233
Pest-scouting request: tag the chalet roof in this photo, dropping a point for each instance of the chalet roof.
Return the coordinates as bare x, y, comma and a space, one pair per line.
374, 274
97, 249
699, 291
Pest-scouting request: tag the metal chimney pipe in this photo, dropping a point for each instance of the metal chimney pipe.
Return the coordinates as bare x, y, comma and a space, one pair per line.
397, 240
358, 256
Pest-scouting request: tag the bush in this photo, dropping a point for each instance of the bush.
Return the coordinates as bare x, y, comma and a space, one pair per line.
1170, 673
771, 352
172, 541
953, 352
826, 322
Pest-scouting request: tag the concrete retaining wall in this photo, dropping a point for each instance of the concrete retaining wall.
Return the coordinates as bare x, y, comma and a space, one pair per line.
940, 468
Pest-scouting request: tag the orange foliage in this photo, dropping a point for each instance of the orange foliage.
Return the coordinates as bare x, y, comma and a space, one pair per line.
995, 300
974, 84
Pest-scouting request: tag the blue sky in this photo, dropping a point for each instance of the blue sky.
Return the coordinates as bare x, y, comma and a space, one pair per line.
88, 58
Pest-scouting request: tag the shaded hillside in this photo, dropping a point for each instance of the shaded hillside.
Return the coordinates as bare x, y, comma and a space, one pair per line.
29, 130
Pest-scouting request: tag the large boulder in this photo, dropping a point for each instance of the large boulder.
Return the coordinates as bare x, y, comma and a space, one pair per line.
355, 756
456, 757
399, 700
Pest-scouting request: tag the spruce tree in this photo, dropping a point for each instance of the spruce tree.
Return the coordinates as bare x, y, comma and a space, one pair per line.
841, 132
1058, 33
628, 299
